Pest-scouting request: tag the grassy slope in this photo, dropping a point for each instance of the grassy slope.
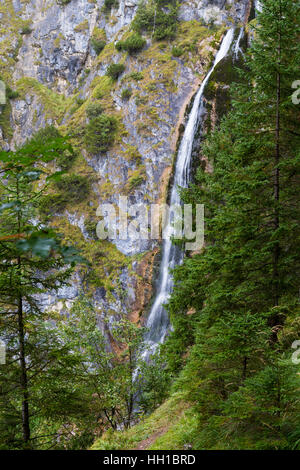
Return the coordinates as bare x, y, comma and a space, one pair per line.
169, 427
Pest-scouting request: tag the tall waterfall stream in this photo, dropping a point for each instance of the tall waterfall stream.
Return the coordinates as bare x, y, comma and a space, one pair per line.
158, 322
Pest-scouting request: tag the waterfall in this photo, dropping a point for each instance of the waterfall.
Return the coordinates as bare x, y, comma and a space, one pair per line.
158, 322
258, 6
237, 48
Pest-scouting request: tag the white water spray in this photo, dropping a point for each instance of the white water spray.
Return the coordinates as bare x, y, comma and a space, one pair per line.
237, 49
158, 320
258, 6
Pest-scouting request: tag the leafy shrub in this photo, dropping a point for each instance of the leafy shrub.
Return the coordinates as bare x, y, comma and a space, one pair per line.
155, 383
74, 188
63, 2
177, 51
144, 18
119, 45
93, 110
134, 43
136, 178
115, 70
98, 45
100, 133
66, 160
12, 94
126, 94
166, 24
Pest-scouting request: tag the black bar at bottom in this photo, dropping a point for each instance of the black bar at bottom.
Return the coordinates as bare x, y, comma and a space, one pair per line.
138, 459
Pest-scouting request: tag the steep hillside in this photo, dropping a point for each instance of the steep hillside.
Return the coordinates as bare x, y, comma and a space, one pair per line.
145, 339
55, 57
172, 426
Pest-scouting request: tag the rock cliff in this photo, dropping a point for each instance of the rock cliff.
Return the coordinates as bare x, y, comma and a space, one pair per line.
48, 58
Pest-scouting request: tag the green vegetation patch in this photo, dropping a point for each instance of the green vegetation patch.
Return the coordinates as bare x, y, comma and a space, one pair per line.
75, 188
55, 104
115, 70
83, 26
157, 18
100, 133
177, 51
94, 110
126, 94
133, 44
26, 30
144, 435
109, 4
98, 45
98, 40
49, 133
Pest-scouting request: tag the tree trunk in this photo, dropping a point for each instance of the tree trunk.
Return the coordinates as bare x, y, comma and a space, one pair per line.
130, 398
276, 251
23, 378
245, 363
276, 194
24, 382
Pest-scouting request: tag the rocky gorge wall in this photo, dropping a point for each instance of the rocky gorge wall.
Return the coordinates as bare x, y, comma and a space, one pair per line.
47, 57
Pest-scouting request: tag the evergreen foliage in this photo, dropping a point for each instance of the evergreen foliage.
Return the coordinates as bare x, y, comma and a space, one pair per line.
100, 133
74, 188
50, 133
126, 94
227, 363
98, 45
115, 70
109, 4
133, 44
235, 305
158, 18
33, 260
93, 110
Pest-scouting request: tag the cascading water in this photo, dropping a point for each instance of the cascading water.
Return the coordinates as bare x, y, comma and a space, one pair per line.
258, 6
237, 49
158, 321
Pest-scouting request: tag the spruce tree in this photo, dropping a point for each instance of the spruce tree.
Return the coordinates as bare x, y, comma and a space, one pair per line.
33, 261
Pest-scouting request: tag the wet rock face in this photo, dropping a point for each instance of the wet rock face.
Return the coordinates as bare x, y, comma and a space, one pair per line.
59, 45
58, 59
28, 116
123, 14
59, 42
214, 11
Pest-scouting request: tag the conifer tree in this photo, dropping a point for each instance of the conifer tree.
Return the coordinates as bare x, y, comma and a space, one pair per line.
33, 260
243, 287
